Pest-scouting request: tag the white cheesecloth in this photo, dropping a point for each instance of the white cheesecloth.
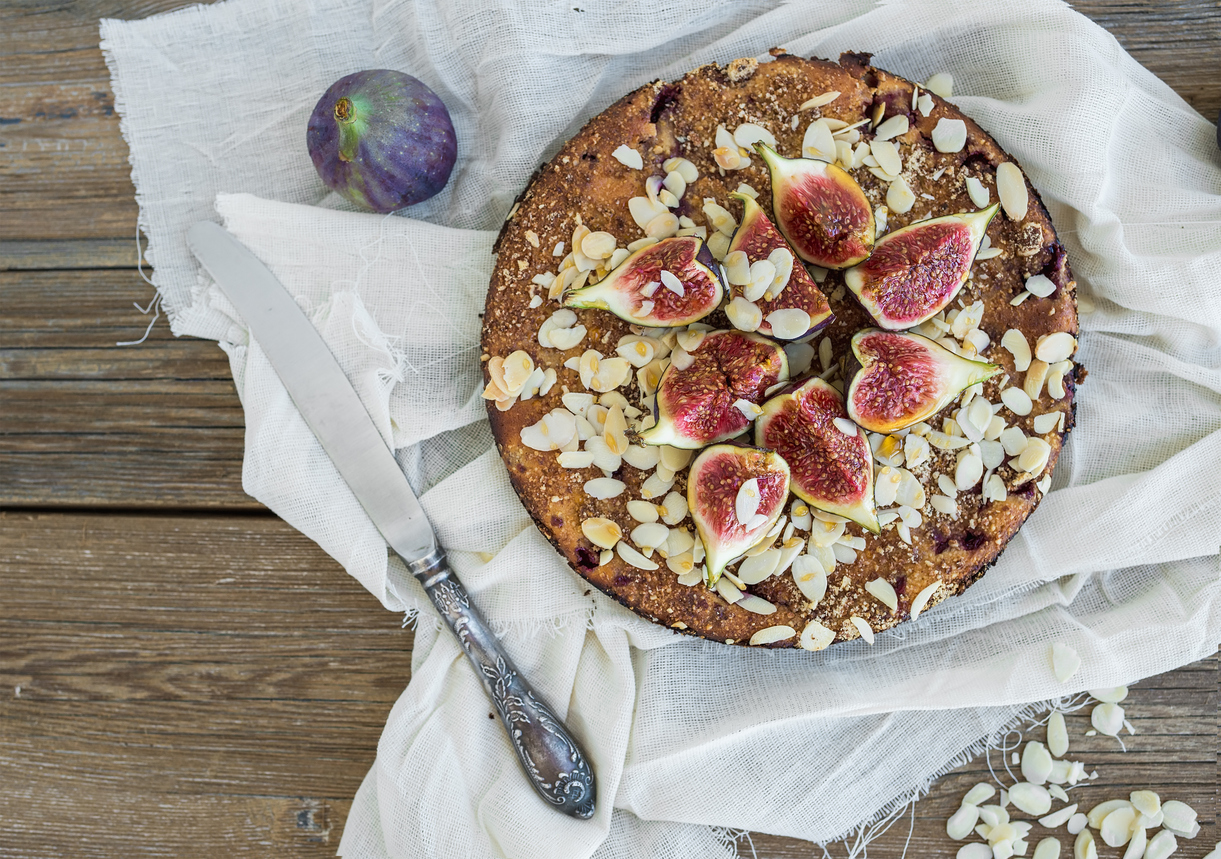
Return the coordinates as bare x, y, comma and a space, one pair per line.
1120, 561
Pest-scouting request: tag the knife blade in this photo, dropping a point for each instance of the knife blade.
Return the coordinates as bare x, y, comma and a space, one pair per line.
554, 762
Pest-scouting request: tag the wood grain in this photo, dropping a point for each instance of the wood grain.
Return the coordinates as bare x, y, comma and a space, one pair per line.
181, 673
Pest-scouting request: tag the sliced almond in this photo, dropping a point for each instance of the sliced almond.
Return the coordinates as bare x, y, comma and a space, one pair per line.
628, 157
603, 533
1011, 188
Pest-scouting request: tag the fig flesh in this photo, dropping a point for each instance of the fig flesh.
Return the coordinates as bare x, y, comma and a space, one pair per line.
916, 271
727, 484
638, 290
905, 378
758, 238
702, 403
820, 209
831, 470
382, 139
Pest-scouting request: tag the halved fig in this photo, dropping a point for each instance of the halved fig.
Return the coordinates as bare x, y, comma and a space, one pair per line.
832, 470
820, 209
671, 283
792, 288
735, 494
706, 400
917, 270
903, 379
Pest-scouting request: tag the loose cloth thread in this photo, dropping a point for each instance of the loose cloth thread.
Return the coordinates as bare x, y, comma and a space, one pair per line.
1120, 561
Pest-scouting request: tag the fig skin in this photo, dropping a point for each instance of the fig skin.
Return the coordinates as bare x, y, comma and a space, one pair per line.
914, 272
382, 139
695, 407
757, 236
713, 482
686, 257
820, 209
904, 378
830, 471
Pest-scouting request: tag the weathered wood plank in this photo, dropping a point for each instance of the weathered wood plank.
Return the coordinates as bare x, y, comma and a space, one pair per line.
164, 666
63, 164
83, 422
184, 686
32, 255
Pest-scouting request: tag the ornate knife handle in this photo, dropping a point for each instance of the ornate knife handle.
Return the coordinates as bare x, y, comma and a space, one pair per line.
554, 762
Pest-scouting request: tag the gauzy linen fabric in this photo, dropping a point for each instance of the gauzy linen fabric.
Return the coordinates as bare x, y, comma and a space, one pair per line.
1120, 561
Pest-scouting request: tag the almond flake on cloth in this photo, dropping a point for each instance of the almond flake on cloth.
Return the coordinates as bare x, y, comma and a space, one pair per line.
214, 99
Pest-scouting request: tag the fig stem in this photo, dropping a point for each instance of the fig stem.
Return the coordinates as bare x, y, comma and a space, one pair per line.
349, 139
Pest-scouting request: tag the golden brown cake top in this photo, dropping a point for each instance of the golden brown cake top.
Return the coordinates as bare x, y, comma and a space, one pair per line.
563, 377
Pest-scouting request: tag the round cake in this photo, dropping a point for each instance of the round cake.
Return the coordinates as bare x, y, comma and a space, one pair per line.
780, 353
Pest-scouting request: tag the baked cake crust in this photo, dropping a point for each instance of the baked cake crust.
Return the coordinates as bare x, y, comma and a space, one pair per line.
585, 184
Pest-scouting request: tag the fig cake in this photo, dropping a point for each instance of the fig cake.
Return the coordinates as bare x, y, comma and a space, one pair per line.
780, 353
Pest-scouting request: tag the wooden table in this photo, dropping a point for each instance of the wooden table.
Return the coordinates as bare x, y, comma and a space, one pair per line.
181, 673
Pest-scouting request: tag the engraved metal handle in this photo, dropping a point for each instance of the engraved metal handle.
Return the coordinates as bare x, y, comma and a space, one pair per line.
552, 759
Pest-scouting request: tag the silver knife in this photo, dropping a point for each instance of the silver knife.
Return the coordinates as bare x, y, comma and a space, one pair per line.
553, 760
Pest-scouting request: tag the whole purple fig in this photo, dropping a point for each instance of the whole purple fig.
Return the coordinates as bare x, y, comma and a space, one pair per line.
382, 139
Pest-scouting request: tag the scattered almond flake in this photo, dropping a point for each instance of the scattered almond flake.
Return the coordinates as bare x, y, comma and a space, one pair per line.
1064, 661
949, 135
1019, 298
891, 128
924, 104
576, 459
899, 197
628, 157
884, 592
1056, 347
1030, 798
788, 323
819, 100
815, 636
1146, 802
1057, 734
962, 822
634, 558
881, 215
975, 850
643, 210
744, 315
979, 194
1034, 455
532, 238
941, 84
818, 141
558, 250
1107, 718
1116, 827
726, 588
1035, 374
982, 791
1016, 400
758, 605
535, 301
748, 134
1058, 818
1036, 763
645, 308
968, 470
749, 410
863, 627
770, 634
746, 502
675, 183
1179, 817
1011, 188
553, 431
671, 282
1015, 341
549, 380
1057, 791
994, 489
1048, 848
603, 533
663, 226
604, 487
1045, 423
1076, 823
719, 217
762, 276
782, 262
887, 154
649, 536
1040, 285
667, 198
944, 504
